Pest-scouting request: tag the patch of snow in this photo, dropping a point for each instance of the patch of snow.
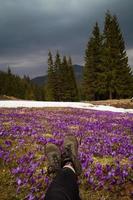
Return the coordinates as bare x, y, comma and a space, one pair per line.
42, 104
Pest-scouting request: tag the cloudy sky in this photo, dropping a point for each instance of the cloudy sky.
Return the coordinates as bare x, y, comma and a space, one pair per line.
29, 28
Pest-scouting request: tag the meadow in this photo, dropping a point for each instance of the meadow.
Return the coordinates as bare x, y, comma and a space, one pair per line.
105, 150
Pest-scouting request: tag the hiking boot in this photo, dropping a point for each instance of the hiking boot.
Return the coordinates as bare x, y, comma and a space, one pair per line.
70, 153
54, 158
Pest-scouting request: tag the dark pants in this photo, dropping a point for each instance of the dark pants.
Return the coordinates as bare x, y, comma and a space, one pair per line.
64, 186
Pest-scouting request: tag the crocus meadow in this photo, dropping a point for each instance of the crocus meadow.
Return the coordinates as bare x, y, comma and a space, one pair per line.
105, 149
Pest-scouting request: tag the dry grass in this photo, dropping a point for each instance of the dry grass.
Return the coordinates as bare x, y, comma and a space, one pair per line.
119, 103
5, 97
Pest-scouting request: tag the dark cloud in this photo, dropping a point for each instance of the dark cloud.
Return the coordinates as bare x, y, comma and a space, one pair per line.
29, 28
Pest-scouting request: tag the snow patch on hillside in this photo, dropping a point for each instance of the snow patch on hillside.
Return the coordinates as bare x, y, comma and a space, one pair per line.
42, 104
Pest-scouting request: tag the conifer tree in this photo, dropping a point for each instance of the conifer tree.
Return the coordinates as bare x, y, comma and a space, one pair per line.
65, 81
9, 71
92, 72
58, 82
50, 89
72, 82
118, 77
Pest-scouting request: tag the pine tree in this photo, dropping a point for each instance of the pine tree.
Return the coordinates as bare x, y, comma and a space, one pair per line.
118, 77
65, 80
72, 82
50, 89
9, 71
57, 71
92, 71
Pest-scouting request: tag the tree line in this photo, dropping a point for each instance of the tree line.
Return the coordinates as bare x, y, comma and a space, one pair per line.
21, 88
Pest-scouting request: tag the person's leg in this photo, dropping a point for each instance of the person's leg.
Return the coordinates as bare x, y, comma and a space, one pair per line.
64, 186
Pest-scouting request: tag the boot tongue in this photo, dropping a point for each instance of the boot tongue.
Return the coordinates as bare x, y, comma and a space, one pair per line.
66, 157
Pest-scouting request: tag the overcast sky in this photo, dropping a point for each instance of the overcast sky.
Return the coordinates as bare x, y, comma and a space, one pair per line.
29, 28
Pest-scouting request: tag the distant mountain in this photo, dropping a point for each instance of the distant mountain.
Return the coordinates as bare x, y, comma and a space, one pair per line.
78, 70
40, 80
